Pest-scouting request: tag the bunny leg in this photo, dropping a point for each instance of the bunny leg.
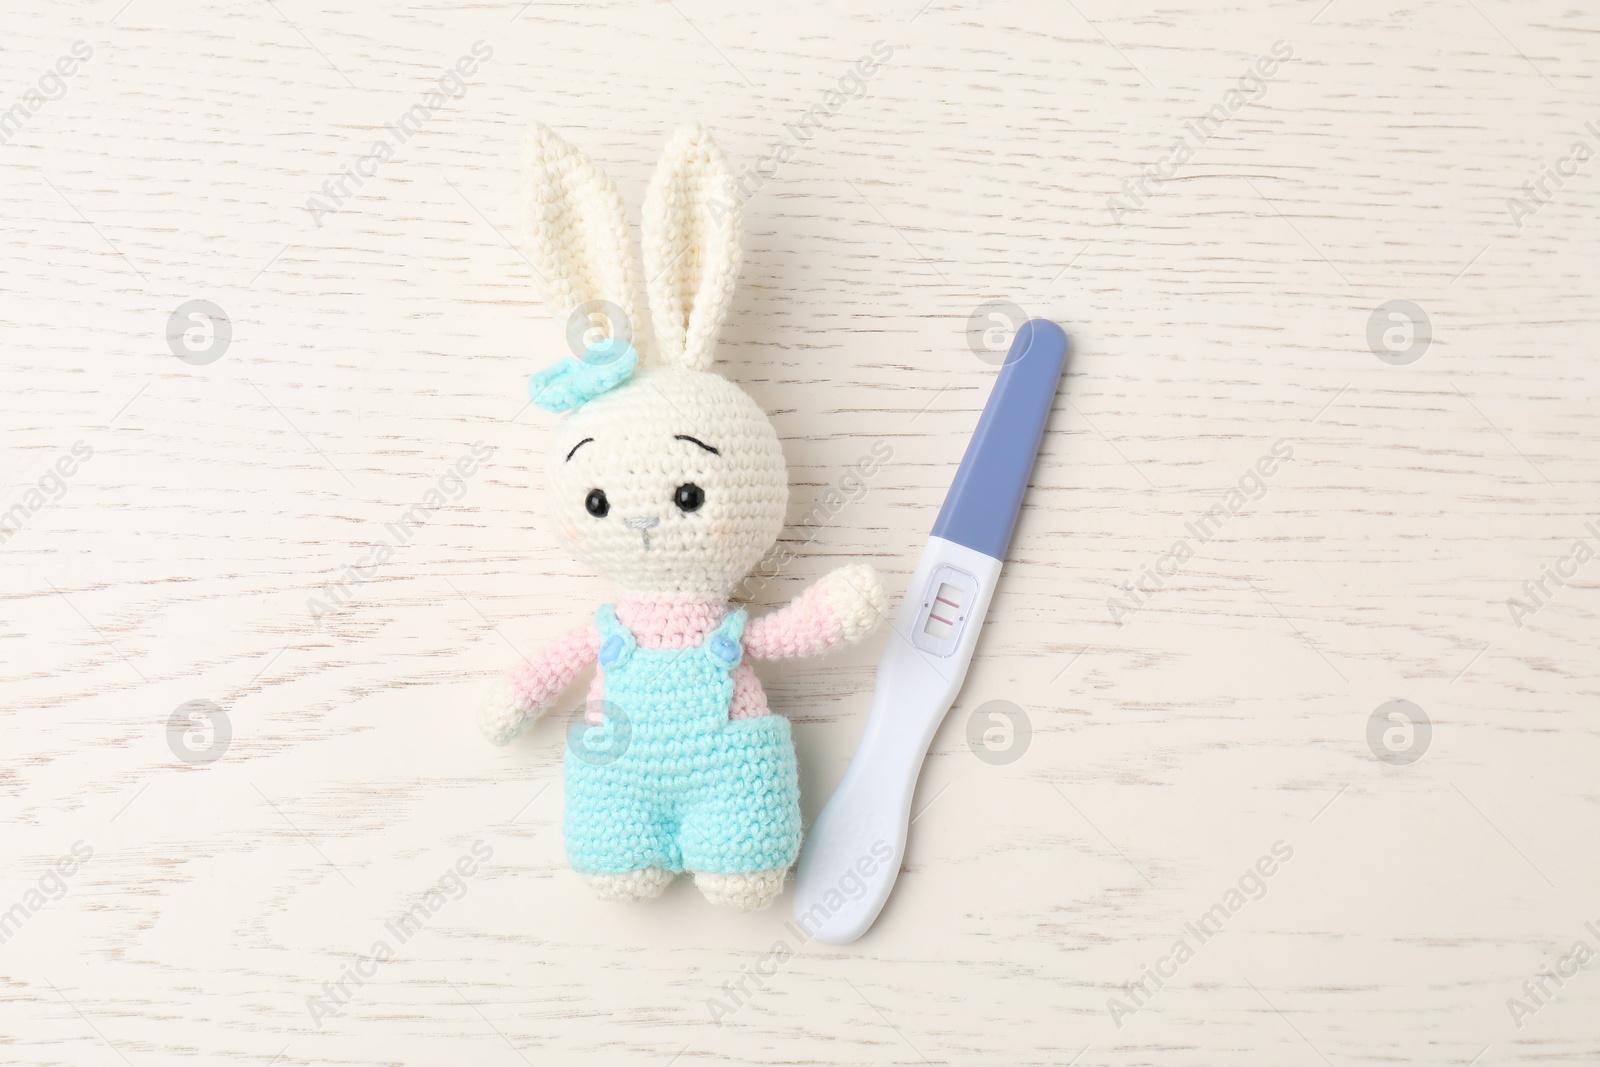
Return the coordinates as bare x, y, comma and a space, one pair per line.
747, 817
751, 891
631, 886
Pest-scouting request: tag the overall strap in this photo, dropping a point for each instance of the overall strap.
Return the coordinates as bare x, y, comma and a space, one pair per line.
724, 647
616, 641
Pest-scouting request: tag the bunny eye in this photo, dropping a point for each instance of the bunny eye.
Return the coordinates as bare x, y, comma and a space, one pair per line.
596, 503
689, 497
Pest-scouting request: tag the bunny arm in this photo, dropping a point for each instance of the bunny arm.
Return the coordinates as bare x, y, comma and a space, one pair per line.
536, 681
840, 609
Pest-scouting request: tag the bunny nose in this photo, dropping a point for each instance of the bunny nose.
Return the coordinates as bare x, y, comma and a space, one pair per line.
644, 526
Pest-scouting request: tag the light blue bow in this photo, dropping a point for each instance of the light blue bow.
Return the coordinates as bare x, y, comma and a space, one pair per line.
572, 382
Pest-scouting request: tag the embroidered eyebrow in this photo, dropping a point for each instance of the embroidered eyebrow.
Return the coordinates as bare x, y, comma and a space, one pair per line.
577, 446
696, 441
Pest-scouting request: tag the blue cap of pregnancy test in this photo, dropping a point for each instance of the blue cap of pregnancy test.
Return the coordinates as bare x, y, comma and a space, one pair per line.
980, 510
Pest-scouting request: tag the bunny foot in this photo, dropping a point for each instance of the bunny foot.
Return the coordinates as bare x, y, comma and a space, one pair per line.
747, 892
631, 887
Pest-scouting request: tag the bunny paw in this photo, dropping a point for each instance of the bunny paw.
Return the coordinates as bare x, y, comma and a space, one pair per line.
858, 599
502, 715
747, 892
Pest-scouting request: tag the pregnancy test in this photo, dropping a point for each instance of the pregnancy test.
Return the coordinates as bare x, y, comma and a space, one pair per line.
856, 845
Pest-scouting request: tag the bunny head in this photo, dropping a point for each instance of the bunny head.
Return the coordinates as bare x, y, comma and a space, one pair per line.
663, 476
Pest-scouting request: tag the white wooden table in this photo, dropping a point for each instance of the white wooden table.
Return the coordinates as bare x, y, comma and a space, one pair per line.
1225, 306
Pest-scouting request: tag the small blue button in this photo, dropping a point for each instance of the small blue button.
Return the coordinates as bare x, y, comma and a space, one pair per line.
611, 651
724, 648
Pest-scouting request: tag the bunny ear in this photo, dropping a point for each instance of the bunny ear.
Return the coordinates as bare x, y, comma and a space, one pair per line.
691, 234
578, 238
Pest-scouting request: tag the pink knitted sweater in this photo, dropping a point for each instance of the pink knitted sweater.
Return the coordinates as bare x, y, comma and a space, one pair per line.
805, 627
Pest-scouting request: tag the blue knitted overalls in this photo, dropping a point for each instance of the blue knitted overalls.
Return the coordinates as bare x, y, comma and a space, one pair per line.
668, 781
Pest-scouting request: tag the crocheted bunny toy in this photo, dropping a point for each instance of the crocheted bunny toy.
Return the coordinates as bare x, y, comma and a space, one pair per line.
669, 481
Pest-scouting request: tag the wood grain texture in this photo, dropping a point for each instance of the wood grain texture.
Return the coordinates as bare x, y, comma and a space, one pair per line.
374, 345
